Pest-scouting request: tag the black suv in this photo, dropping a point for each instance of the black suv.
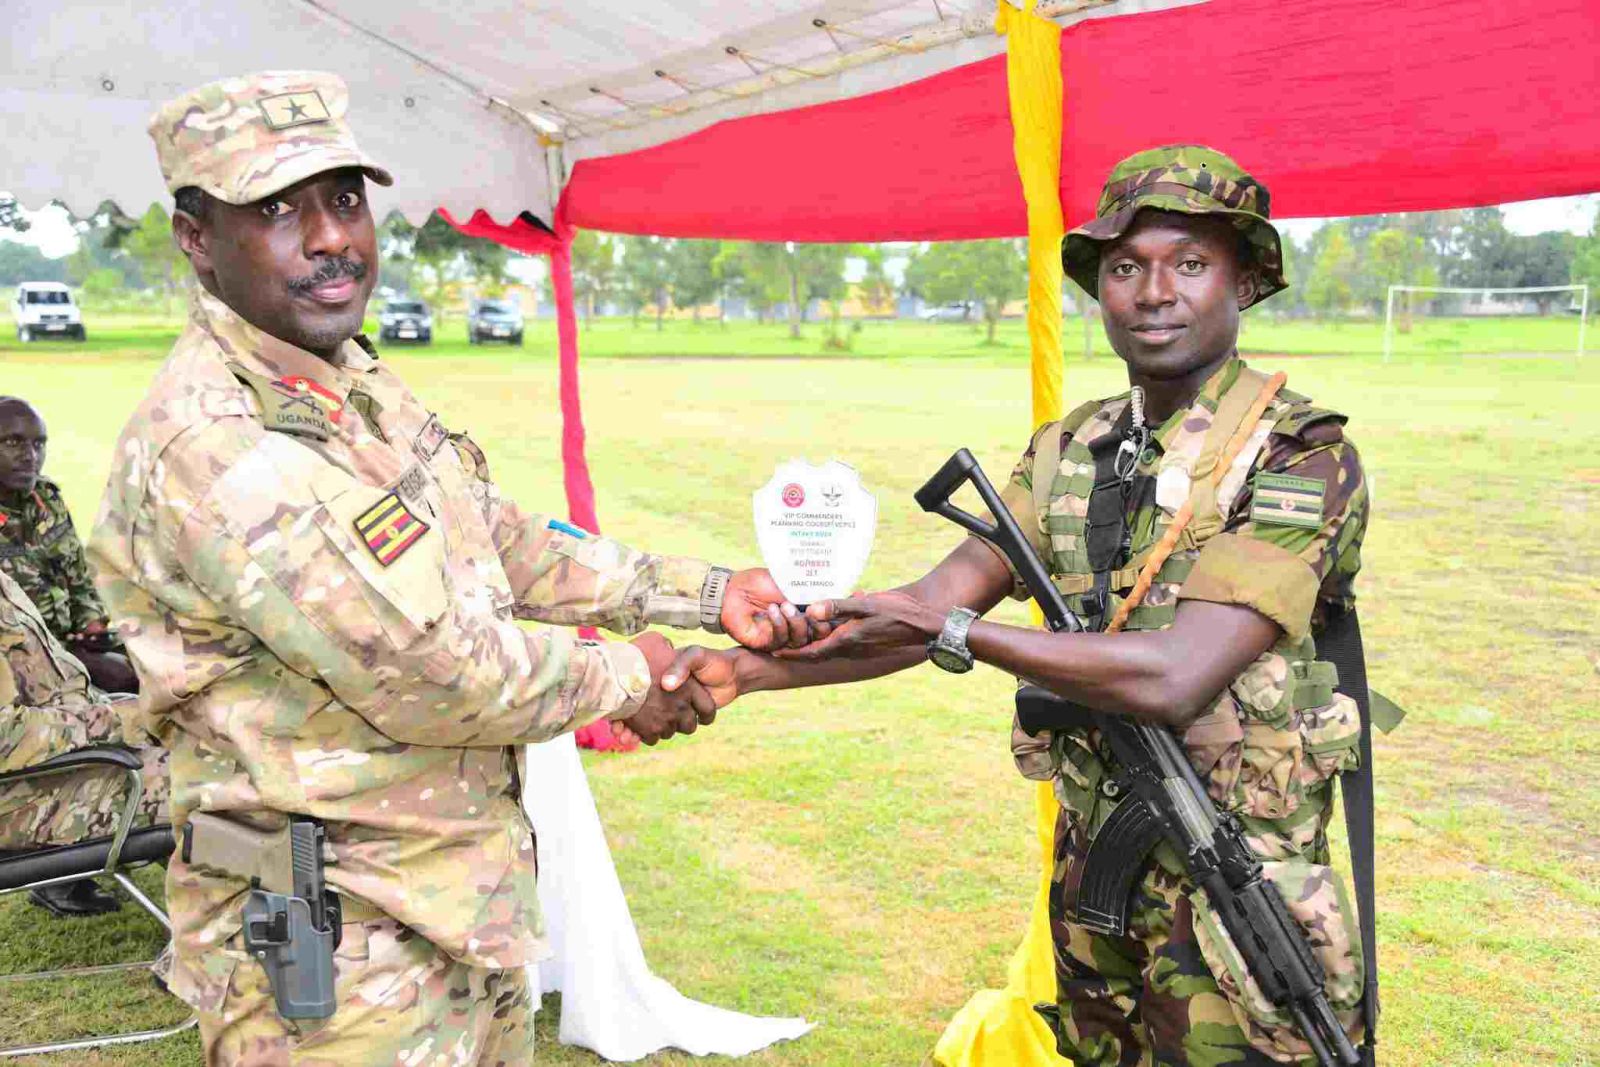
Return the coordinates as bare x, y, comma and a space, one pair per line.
494, 320
405, 320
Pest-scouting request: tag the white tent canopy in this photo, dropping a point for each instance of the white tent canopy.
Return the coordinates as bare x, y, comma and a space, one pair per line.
471, 103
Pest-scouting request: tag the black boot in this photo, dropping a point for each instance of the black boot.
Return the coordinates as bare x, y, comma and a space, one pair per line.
69, 900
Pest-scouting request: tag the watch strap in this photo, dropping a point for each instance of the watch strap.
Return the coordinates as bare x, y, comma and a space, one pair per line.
712, 594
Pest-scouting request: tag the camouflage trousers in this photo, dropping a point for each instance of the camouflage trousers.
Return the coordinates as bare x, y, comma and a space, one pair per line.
400, 1001
62, 809
1146, 999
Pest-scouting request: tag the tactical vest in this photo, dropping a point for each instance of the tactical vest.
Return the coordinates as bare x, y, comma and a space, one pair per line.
1274, 738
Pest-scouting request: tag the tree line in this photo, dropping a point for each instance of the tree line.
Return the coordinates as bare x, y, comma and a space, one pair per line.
1343, 267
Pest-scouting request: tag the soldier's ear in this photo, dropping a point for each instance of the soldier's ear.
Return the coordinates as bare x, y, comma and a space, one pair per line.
1248, 285
194, 240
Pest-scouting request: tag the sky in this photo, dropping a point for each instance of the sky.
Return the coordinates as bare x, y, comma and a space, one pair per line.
52, 232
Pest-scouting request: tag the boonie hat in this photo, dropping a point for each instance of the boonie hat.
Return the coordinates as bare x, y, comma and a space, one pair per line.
241, 139
1187, 178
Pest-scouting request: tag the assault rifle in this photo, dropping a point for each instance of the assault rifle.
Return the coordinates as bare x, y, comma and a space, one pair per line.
1163, 800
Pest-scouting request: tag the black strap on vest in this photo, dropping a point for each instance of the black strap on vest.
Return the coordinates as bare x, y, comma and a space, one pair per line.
1105, 524
1340, 644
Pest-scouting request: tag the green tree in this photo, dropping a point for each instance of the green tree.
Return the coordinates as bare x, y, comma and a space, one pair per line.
694, 280
25, 263
877, 291
594, 269
646, 275
1331, 287
152, 246
11, 217
1395, 257
989, 274
1586, 256
815, 272
757, 272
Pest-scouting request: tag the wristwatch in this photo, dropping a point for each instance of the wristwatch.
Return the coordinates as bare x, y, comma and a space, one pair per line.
949, 650
711, 595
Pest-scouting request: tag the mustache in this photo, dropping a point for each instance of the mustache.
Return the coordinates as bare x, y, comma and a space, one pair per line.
331, 269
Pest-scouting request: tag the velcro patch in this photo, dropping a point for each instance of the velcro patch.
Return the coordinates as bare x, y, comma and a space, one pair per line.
293, 109
1287, 500
388, 528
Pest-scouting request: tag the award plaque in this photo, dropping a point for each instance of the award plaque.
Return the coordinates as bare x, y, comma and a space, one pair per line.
814, 526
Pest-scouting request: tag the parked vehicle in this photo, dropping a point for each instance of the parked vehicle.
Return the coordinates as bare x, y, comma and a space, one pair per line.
46, 309
405, 320
958, 312
494, 320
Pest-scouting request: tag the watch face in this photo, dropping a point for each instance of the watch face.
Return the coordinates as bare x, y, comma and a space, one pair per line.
950, 660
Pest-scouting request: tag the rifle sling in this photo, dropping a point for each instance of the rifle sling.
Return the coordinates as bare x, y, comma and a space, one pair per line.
1340, 644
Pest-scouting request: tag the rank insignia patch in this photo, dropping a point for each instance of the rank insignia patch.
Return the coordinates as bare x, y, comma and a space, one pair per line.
1285, 500
389, 528
293, 109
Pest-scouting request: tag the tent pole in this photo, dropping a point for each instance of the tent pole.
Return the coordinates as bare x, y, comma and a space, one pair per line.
999, 1028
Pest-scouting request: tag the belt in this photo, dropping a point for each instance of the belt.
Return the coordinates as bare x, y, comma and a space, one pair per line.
356, 910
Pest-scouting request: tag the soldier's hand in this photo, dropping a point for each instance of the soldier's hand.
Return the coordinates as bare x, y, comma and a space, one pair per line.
867, 626
756, 614
714, 669
665, 713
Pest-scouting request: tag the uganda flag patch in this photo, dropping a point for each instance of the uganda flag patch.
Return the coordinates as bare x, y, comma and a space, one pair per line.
1285, 500
389, 528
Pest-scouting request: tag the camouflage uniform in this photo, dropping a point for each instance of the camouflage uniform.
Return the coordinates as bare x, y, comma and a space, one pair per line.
40, 549
320, 585
49, 708
1282, 536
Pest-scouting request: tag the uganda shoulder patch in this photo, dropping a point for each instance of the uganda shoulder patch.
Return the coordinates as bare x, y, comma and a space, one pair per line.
1287, 500
388, 528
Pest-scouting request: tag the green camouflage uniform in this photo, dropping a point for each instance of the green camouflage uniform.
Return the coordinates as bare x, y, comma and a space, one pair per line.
1283, 538
40, 549
320, 584
49, 708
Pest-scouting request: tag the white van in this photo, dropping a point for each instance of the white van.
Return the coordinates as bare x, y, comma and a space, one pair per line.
45, 309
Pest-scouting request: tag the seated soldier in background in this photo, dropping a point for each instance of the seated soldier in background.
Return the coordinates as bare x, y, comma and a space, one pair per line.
49, 707
40, 550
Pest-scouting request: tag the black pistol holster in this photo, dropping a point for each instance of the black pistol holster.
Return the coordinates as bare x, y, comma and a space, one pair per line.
292, 921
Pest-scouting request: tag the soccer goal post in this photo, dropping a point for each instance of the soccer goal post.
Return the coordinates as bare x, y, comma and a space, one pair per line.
1488, 298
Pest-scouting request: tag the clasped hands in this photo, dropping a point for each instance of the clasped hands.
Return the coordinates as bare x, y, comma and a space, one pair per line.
690, 684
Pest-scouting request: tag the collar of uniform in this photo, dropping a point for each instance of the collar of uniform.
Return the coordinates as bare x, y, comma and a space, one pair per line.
1220, 382
261, 353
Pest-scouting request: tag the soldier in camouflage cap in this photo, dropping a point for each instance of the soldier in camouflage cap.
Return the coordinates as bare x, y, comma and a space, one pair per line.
1188, 179
320, 584
48, 708
1222, 648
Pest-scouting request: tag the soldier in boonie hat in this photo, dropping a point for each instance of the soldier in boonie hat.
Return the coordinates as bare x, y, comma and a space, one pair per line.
241, 139
1188, 179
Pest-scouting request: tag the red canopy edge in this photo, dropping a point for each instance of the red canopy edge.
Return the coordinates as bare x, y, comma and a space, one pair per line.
1342, 107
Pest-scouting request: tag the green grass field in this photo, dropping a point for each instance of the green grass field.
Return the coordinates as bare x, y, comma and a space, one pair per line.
862, 856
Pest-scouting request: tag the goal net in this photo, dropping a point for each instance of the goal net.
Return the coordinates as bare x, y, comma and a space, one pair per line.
1536, 320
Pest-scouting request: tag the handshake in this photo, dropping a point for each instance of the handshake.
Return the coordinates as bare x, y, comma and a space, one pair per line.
689, 685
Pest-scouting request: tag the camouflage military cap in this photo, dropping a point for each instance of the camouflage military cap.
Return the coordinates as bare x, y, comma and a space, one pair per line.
241, 139
1186, 178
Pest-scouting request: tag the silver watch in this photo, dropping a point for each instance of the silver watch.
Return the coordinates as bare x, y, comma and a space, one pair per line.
711, 595
949, 650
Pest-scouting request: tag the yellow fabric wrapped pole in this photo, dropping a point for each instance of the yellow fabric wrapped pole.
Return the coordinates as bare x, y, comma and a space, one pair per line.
998, 1027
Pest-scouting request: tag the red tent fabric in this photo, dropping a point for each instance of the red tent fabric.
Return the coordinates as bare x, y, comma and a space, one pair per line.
1341, 107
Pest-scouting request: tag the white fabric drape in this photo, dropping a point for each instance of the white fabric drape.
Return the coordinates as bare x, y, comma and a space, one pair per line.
610, 1002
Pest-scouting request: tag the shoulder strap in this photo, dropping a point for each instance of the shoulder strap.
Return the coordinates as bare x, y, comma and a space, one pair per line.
1340, 644
1047, 457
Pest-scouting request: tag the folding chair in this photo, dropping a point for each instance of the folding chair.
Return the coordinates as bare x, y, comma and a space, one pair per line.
125, 850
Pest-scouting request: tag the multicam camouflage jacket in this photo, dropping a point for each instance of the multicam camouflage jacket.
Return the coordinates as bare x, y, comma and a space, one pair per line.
40, 549
318, 583
1283, 537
